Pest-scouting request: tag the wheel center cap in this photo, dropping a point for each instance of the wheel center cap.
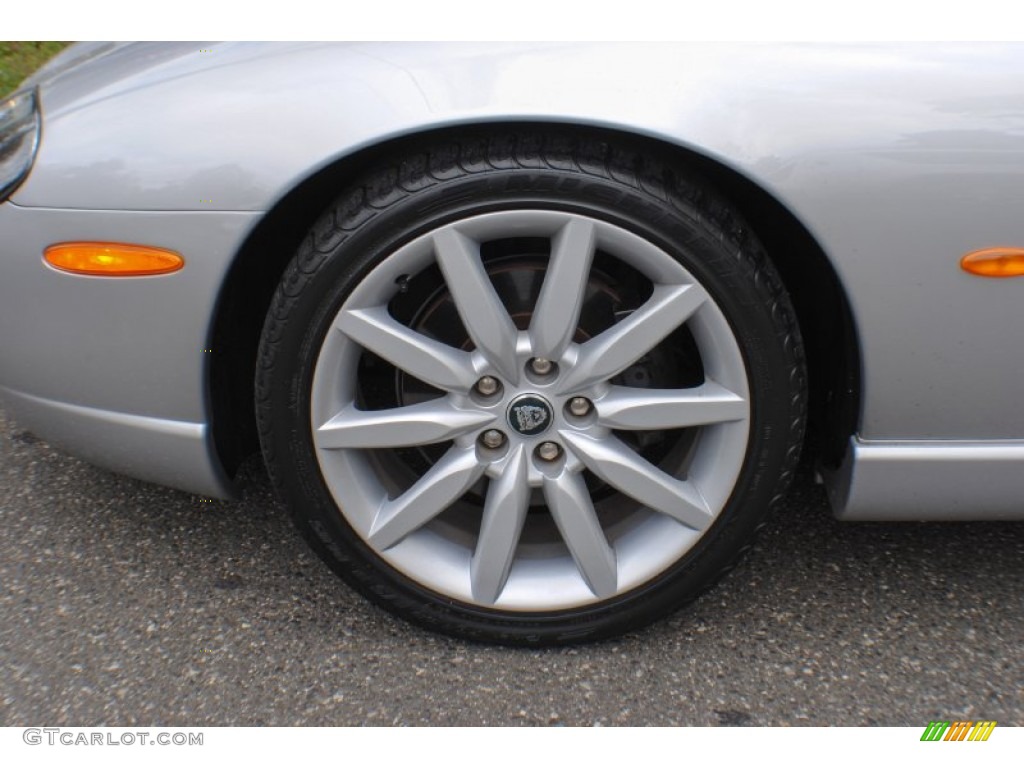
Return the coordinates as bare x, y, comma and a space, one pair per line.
529, 414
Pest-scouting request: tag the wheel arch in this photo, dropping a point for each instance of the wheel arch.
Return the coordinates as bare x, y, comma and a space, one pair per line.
823, 310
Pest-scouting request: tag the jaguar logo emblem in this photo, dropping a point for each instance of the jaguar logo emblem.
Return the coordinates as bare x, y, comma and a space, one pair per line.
529, 414
530, 417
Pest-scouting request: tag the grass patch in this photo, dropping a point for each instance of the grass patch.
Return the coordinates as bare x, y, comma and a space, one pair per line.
21, 59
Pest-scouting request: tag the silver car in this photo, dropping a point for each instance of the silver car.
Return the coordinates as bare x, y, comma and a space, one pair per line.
531, 337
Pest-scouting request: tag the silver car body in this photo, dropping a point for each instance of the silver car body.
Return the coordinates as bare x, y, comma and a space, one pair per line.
896, 159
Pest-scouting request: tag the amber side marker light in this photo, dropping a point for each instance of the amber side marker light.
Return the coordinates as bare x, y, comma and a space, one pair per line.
994, 262
112, 259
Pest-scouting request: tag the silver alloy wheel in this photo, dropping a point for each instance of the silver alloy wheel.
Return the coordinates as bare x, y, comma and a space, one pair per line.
506, 558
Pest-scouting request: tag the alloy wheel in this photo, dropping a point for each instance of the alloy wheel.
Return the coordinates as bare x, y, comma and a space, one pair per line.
521, 459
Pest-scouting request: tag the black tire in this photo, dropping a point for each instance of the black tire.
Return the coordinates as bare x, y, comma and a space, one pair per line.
478, 172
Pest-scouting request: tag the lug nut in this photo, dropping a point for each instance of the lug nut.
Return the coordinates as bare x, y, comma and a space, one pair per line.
541, 366
493, 438
548, 451
579, 406
487, 386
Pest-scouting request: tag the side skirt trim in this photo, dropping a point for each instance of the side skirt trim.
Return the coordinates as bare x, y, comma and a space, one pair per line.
929, 480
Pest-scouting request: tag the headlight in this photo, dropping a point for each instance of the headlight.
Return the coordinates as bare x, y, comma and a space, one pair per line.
19, 137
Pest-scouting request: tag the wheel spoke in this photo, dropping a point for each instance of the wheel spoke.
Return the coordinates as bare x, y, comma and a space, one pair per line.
569, 501
637, 408
428, 360
438, 489
620, 466
561, 297
421, 424
508, 498
482, 313
611, 352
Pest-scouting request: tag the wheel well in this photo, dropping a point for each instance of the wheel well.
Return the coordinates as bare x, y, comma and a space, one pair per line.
823, 312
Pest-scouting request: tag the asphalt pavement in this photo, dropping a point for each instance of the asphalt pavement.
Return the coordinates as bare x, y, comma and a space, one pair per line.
122, 603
